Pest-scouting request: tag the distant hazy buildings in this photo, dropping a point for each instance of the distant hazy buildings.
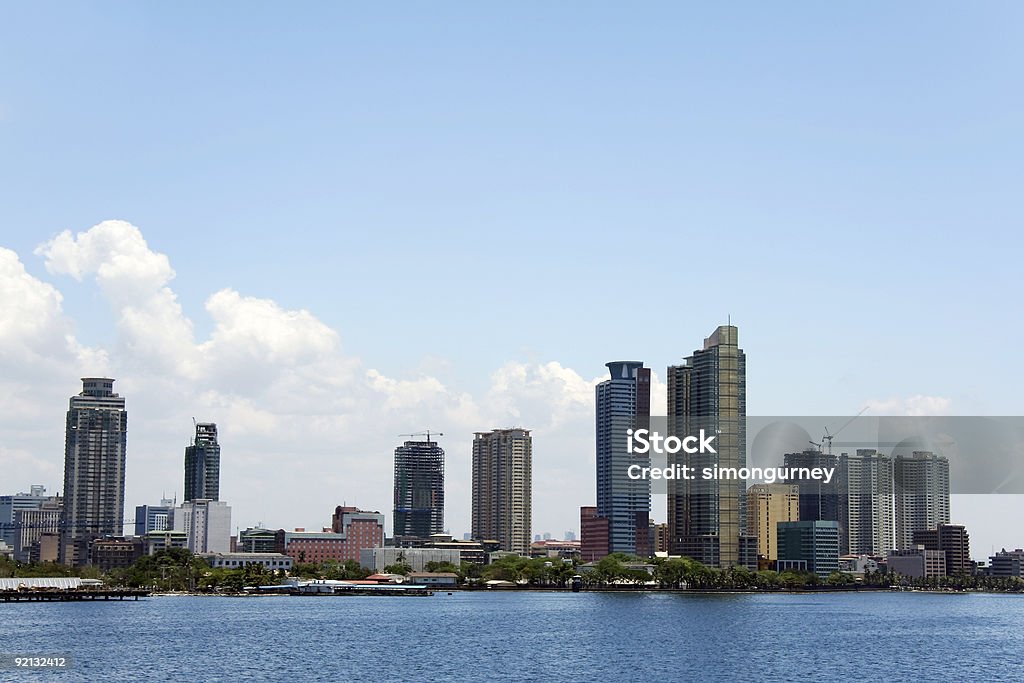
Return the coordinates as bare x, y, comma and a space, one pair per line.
811, 546
865, 486
202, 464
503, 488
94, 468
922, 494
419, 489
767, 505
623, 401
206, 523
707, 518
952, 540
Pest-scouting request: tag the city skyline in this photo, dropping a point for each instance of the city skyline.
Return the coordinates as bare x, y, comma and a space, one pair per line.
323, 226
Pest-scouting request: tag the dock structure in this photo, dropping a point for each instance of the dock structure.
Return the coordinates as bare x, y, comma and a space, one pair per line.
56, 595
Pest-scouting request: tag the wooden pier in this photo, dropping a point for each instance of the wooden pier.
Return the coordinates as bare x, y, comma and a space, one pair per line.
71, 595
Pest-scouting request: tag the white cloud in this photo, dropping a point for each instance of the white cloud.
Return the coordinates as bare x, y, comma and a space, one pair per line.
917, 405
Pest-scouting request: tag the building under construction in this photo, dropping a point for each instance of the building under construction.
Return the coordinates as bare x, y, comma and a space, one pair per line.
419, 489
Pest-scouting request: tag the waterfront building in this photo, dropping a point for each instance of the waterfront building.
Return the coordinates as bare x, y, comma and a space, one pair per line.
202, 464
921, 495
623, 401
95, 444
865, 483
593, 534
954, 541
352, 531
917, 562
811, 545
1006, 563
767, 505
206, 523
271, 561
260, 540
419, 489
707, 518
502, 496
376, 559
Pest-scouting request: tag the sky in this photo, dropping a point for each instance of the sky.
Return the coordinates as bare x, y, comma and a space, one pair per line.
323, 227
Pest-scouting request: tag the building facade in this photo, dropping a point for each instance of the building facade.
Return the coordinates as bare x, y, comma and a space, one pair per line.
95, 444
10, 504
419, 489
921, 494
767, 505
593, 534
917, 562
866, 488
503, 488
811, 546
376, 559
206, 523
271, 561
623, 402
153, 517
202, 464
819, 500
954, 541
31, 524
707, 518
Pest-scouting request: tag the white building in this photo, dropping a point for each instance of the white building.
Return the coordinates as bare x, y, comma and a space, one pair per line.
272, 561
206, 523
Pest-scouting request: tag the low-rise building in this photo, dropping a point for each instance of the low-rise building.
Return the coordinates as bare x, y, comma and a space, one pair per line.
917, 562
442, 579
155, 541
811, 545
114, 553
271, 561
1006, 563
376, 559
953, 541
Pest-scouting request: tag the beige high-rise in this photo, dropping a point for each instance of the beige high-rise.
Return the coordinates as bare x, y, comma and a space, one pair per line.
767, 505
503, 488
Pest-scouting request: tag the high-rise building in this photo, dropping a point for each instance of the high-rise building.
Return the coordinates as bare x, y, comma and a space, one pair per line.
819, 500
503, 488
811, 546
206, 523
767, 505
865, 493
623, 402
202, 464
707, 518
419, 489
95, 442
593, 534
953, 540
153, 517
922, 494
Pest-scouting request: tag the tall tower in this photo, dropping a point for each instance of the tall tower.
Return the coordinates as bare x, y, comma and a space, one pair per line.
202, 464
623, 402
503, 488
419, 489
707, 518
94, 458
922, 494
865, 486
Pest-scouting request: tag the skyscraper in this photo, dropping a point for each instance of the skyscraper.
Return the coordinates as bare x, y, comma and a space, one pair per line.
503, 488
419, 489
819, 500
865, 486
202, 464
922, 494
767, 505
623, 402
706, 518
94, 459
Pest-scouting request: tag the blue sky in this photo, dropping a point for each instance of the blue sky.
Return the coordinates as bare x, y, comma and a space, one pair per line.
454, 187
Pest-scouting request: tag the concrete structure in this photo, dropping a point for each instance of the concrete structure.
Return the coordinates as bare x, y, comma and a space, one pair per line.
376, 559
767, 505
419, 489
31, 524
10, 504
202, 464
623, 401
1006, 563
153, 517
707, 518
921, 493
954, 541
206, 523
503, 488
593, 534
115, 553
917, 562
260, 540
95, 444
155, 541
271, 561
812, 545
865, 486
818, 500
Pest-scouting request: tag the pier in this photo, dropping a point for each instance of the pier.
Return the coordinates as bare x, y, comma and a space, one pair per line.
70, 595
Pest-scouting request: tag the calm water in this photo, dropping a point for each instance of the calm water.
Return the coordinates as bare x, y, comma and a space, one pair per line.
527, 636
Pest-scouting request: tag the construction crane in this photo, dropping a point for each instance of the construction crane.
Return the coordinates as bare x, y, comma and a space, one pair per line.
829, 436
426, 434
